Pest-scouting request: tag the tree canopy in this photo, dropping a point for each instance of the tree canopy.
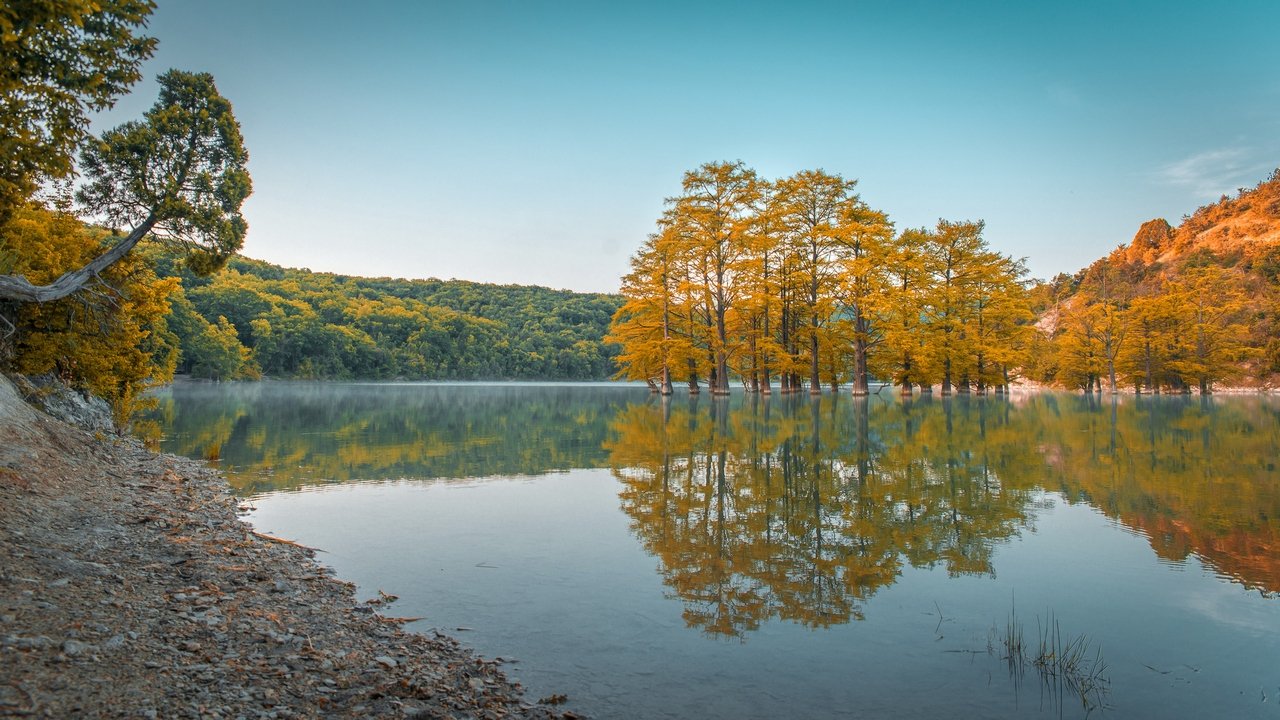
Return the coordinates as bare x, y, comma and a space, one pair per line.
180, 173
253, 318
59, 60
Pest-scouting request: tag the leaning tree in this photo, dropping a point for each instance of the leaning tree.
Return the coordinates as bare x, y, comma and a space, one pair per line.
177, 175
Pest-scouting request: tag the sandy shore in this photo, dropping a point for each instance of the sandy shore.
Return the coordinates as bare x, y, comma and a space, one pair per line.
130, 588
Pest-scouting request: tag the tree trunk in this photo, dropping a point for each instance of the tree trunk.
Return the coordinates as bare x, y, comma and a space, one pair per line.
860, 368
1150, 381
19, 289
666, 338
815, 385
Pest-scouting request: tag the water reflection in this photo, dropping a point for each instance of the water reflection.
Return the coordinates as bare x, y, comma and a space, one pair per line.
281, 436
785, 507
1195, 475
802, 508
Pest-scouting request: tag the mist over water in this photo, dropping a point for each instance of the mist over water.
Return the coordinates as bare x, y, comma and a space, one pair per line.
785, 556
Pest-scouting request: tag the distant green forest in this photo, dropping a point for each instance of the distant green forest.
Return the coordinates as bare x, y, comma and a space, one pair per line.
253, 318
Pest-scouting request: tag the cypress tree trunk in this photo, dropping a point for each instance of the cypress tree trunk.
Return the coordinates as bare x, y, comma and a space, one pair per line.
860, 387
815, 385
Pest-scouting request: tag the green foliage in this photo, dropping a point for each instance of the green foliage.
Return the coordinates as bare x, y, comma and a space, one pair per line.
179, 175
59, 60
210, 350
298, 324
1267, 264
182, 168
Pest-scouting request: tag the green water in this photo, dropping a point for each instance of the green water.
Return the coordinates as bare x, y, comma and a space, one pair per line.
789, 556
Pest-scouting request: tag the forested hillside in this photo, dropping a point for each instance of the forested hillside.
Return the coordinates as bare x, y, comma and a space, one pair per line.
256, 318
1176, 308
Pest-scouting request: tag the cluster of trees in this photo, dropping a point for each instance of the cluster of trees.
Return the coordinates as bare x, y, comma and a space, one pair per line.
800, 280
255, 318
1163, 333
1177, 309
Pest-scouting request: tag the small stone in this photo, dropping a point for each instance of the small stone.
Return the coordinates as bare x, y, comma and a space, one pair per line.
60, 582
385, 660
28, 643
73, 648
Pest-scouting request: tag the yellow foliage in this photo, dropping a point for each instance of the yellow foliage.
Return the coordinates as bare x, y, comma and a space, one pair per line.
110, 338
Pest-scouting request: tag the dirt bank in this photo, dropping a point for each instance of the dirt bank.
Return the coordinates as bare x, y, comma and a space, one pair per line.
130, 588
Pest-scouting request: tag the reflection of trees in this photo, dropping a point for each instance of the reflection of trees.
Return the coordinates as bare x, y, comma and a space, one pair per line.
1195, 475
801, 509
786, 507
273, 436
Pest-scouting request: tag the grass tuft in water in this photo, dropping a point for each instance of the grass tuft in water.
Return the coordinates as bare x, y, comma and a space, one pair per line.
1065, 664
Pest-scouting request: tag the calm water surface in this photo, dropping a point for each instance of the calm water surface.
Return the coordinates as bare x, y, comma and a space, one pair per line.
789, 557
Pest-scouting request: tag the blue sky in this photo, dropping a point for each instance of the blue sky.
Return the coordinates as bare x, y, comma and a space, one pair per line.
533, 142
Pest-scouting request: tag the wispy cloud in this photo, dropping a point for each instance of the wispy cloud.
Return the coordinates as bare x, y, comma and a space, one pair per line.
1214, 173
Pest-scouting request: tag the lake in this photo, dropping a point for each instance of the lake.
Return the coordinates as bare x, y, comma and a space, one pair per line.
1038, 555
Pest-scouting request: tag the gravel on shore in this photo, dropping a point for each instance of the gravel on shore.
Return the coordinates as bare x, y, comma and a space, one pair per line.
130, 588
